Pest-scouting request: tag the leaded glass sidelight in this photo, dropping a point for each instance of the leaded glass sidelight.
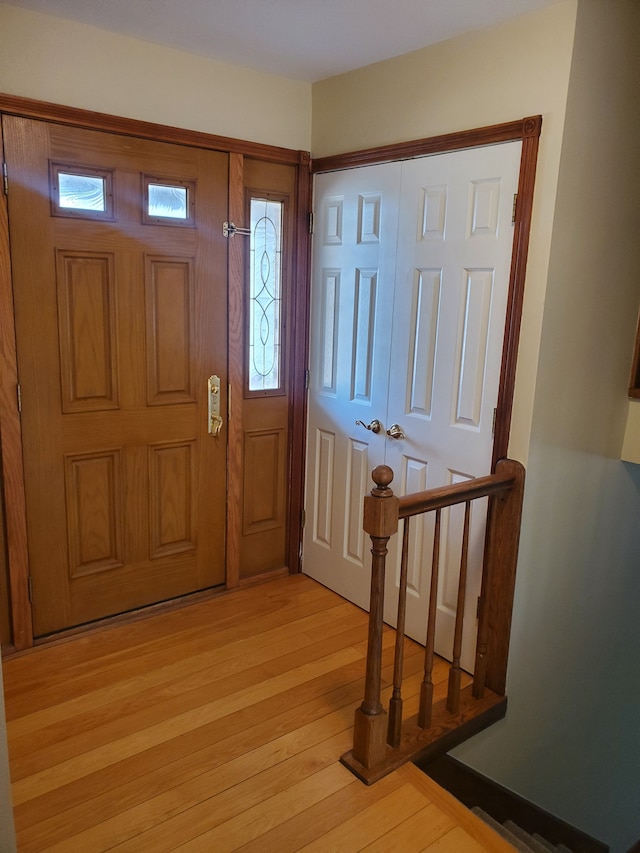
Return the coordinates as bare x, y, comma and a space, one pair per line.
265, 296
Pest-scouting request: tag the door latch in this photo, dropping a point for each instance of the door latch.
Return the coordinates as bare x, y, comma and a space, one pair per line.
374, 426
396, 431
213, 395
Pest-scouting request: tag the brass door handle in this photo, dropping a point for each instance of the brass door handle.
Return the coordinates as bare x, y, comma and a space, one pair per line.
396, 431
213, 409
374, 426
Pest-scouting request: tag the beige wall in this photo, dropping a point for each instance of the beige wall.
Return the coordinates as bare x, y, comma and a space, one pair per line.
55, 60
504, 73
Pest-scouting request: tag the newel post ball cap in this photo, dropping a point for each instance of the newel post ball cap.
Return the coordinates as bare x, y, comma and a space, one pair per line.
382, 477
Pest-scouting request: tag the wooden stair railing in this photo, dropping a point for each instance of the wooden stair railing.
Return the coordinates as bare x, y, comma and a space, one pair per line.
383, 741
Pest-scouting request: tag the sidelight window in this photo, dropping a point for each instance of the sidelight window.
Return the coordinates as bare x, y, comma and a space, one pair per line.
265, 296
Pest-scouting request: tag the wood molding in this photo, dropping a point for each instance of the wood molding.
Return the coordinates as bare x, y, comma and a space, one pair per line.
235, 372
61, 114
11, 450
499, 572
492, 134
634, 383
299, 360
520, 253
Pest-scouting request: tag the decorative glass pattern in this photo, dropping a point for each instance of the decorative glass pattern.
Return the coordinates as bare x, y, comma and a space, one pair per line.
265, 300
81, 192
167, 201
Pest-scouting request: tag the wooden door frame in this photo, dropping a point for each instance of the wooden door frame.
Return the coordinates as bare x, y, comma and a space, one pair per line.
527, 130
10, 428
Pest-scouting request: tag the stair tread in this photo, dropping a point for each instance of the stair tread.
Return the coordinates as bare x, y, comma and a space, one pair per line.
536, 845
547, 844
516, 842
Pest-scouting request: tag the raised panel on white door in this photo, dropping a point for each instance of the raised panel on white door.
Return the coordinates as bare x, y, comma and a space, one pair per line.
434, 210
358, 475
328, 329
364, 327
323, 487
484, 207
369, 209
421, 356
471, 349
332, 221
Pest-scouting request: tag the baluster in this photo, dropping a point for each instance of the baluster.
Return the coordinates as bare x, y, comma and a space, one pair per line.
380, 522
395, 705
480, 668
426, 689
453, 695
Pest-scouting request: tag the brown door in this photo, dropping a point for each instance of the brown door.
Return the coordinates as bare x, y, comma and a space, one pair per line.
119, 270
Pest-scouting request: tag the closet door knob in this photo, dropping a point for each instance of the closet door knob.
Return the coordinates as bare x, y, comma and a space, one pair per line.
374, 426
396, 431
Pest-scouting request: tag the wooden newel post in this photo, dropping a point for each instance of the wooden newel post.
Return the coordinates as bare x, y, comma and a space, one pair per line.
380, 522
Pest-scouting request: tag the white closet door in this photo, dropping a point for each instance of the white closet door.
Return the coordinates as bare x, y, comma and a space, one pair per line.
352, 302
455, 241
437, 342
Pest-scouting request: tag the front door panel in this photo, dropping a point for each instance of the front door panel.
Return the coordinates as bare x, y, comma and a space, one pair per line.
119, 270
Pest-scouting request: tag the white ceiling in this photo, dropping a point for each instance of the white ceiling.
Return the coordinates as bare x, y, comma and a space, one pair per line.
303, 39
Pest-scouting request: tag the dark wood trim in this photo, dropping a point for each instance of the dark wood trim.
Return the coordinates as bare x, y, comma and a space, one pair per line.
504, 517
11, 450
634, 380
473, 789
490, 135
446, 731
235, 326
635, 848
61, 114
528, 131
256, 580
519, 255
298, 362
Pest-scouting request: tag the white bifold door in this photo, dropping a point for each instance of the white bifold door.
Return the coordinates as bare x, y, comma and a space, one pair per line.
409, 292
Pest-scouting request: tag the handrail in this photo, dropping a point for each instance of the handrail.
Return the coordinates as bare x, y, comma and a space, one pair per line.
481, 487
382, 741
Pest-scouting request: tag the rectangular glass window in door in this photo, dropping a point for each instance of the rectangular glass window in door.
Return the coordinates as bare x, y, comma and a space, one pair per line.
265, 340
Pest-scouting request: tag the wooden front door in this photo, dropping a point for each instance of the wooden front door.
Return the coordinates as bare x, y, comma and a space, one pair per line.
120, 282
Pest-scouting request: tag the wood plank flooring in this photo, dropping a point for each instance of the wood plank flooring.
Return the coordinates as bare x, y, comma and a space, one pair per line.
217, 727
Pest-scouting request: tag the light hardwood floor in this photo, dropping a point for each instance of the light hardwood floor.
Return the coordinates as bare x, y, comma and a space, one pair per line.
217, 727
